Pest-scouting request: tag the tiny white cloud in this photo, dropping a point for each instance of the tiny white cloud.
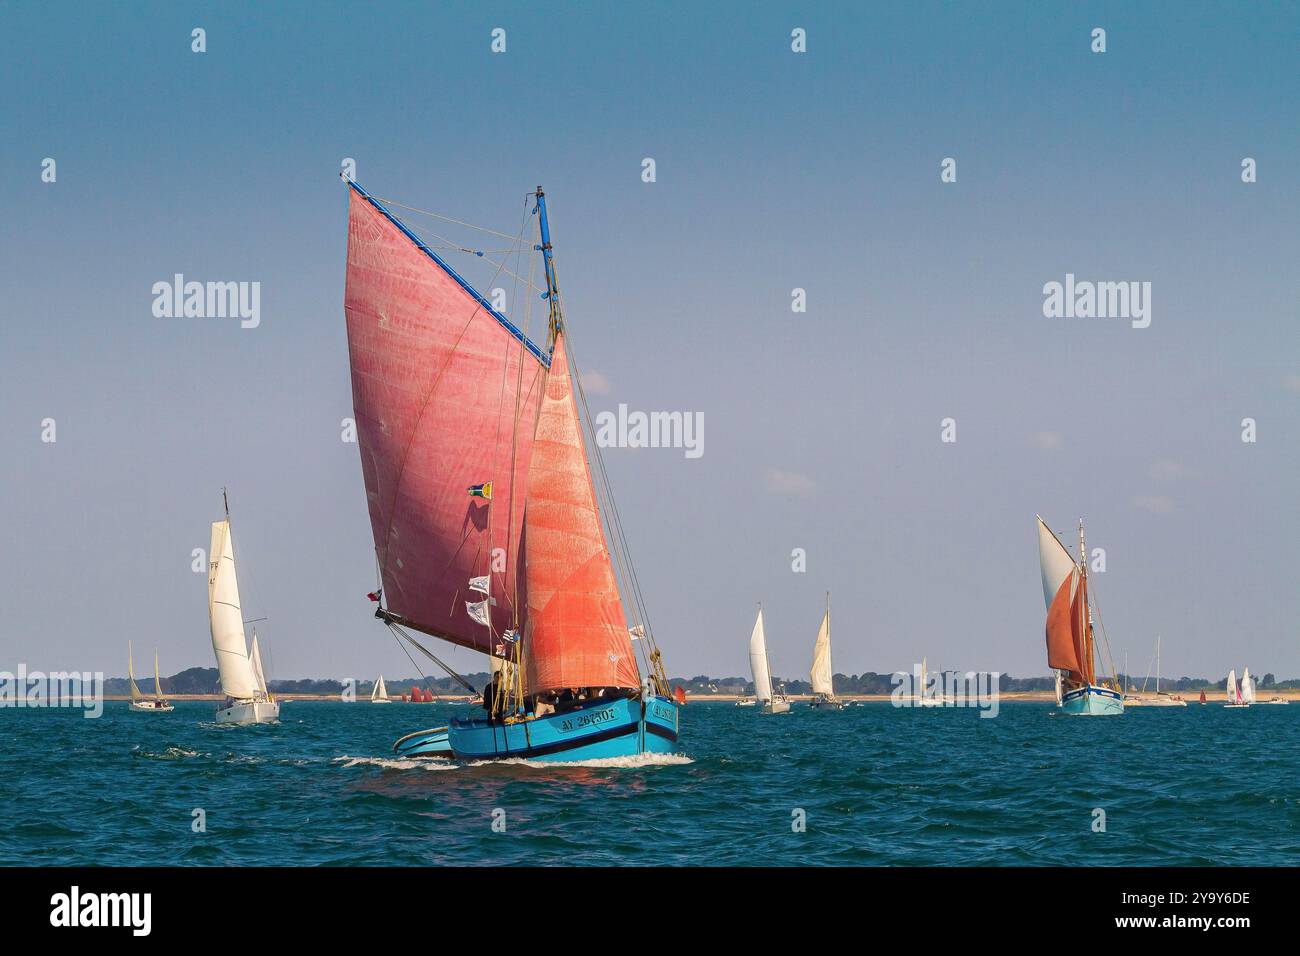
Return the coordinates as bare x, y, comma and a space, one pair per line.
789, 483
1156, 504
1047, 441
1166, 469
594, 383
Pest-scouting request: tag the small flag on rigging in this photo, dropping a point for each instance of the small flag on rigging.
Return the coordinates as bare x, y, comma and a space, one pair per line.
478, 610
376, 595
511, 636
479, 584
483, 491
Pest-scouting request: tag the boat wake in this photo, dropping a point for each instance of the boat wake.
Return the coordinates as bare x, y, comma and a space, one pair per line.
388, 763
630, 762
443, 763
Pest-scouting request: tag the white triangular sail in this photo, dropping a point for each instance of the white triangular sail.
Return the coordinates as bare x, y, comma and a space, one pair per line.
1247, 687
380, 691
226, 618
255, 660
130, 670
821, 665
1234, 695
1054, 562
157, 681
758, 661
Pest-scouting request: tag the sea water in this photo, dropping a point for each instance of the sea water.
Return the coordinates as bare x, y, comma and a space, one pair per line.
872, 784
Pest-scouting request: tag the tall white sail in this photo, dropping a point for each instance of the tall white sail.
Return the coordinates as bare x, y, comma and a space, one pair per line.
255, 659
1247, 687
758, 661
821, 665
157, 681
130, 671
227, 619
1233, 695
380, 691
1054, 562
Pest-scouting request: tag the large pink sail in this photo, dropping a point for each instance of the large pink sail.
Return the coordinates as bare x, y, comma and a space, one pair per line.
577, 631
435, 377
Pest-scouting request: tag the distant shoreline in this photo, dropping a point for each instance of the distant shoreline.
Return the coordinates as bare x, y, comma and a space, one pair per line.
1191, 697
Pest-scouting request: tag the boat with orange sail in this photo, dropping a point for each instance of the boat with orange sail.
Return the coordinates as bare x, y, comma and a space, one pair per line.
1071, 648
483, 506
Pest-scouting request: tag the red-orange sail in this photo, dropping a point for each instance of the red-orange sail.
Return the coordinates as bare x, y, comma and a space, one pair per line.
576, 633
436, 386
1062, 648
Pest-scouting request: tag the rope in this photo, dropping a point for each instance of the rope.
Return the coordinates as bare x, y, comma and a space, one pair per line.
434, 215
396, 629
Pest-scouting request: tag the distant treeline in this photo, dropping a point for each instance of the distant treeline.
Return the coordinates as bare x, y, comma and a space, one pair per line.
873, 683
204, 680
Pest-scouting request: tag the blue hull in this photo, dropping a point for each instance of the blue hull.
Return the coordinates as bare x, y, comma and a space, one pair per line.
426, 743
616, 727
1092, 701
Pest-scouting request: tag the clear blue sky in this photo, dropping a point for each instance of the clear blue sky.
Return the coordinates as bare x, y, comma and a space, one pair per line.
775, 170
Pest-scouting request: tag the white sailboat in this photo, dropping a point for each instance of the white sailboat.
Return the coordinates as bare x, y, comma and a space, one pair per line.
770, 703
822, 676
1233, 691
1161, 699
1247, 688
139, 703
242, 681
922, 697
379, 694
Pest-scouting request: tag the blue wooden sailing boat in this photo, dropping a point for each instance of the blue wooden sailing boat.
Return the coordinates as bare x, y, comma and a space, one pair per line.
1071, 649
484, 513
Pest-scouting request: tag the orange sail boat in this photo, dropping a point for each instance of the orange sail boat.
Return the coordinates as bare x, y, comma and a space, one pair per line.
1071, 650
484, 513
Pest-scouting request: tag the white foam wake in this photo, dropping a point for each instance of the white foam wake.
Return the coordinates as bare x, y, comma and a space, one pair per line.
425, 763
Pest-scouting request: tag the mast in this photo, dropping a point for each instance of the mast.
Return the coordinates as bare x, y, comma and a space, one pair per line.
157, 683
1088, 661
1157, 665
552, 290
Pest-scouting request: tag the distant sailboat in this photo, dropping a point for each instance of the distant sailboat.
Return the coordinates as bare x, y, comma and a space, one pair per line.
379, 695
822, 676
1202, 695
139, 703
1162, 698
242, 681
1247, 687
1233, 691
762, 674
922, 697
1070, 646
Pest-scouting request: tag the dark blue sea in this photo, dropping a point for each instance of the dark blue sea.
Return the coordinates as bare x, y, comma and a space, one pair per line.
874, 784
